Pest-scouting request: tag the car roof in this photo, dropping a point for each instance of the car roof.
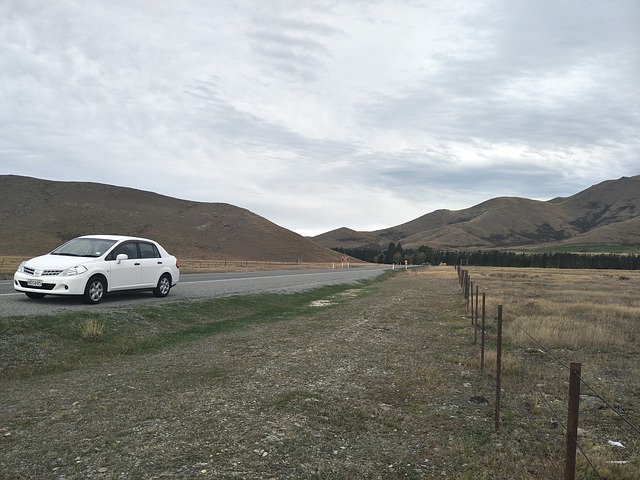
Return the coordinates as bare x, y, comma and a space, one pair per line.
117, 238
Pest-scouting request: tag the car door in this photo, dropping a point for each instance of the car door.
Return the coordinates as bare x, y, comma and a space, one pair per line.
151, 264
125, 274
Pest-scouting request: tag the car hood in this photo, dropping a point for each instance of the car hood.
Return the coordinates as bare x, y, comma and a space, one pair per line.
57, 262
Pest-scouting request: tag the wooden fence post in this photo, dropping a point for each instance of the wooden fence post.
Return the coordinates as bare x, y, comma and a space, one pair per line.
466, 287
475, 322
482, 332
498, 367
471, 297
572, 421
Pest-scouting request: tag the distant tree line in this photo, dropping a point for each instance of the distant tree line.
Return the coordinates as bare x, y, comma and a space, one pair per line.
395, 253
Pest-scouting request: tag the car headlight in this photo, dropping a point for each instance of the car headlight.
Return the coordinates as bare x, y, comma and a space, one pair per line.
21, 267
77, 270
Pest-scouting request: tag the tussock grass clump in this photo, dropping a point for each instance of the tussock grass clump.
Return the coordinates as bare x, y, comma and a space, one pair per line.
92, 330
510, 364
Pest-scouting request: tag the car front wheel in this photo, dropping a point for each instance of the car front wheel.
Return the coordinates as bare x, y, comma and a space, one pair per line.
94, 291
164, 285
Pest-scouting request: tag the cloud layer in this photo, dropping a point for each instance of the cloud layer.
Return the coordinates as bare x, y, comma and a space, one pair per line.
323, 114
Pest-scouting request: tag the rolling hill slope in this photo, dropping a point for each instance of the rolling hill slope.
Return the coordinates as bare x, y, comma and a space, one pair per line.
38, 215
604, 214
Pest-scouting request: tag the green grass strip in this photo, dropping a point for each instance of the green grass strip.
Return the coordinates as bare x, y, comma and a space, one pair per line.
43, 345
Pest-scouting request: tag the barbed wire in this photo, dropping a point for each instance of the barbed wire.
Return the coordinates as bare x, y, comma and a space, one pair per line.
582, 380
624, 418
544, 349
554, 414
586, 457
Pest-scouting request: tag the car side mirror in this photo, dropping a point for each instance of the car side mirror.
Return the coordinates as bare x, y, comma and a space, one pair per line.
121, 256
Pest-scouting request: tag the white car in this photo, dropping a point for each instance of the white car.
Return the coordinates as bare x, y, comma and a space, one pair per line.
93, 265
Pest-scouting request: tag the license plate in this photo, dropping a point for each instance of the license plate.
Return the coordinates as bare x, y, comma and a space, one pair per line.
34, 283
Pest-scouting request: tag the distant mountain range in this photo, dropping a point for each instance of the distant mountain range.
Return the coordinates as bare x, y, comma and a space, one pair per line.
604, 214
38, 215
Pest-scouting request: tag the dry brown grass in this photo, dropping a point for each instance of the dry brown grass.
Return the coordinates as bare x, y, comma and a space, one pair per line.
8, 265
594, 310
221, 265
590, 317
92, 330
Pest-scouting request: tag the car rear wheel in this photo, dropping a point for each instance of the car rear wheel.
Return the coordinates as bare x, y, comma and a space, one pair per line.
94, 291
164, 285
35, 296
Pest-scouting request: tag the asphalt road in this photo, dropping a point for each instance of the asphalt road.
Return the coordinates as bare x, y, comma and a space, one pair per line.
190, 287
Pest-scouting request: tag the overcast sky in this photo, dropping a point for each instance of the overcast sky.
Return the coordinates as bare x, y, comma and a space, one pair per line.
323, 113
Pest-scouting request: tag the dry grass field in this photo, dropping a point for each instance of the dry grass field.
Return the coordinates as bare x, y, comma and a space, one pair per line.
379, 380
555, 317
592, 310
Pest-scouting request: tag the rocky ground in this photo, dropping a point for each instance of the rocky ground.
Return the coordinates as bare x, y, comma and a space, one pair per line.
385, 385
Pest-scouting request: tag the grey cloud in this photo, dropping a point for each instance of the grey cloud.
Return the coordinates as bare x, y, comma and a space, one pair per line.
220, 117
292, 44
466, 99
471, 96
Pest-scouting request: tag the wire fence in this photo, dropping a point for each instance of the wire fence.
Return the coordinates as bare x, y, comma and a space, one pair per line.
199, 265
9, 264
478, 316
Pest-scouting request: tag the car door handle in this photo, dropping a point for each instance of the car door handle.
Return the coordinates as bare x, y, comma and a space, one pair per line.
137, 263
159, 263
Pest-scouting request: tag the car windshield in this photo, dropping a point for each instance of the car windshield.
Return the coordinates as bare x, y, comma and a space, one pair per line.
84, 247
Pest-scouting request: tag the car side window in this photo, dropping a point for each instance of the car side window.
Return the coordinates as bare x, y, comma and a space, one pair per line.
127, 247
148, 250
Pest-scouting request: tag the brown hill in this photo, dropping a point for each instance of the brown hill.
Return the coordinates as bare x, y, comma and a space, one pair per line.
38, 215
604, 214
